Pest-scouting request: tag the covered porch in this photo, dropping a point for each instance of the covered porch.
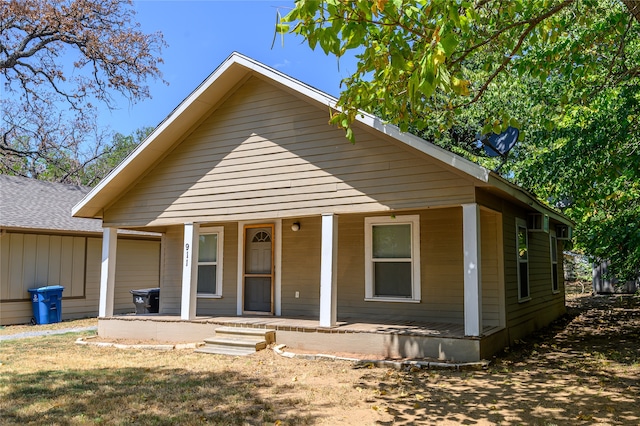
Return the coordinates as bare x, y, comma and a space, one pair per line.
319, 301
391, 339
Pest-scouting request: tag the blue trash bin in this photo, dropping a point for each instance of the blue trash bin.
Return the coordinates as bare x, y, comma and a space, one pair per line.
47, 304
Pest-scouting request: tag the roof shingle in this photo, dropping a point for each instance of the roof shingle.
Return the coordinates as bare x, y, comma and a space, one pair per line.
34, 204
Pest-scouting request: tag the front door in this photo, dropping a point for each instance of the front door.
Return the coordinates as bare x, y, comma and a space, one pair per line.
258, 269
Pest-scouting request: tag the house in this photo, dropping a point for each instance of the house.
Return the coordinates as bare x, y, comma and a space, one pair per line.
270, 218
42, 244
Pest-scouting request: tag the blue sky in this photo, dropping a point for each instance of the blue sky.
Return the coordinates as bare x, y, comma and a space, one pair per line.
201, 35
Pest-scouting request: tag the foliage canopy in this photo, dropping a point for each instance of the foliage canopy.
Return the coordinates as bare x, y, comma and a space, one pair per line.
565, 72
428, 60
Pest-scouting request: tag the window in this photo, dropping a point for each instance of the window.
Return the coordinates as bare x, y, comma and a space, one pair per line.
210, 242
523, 260
553, 241
392, 258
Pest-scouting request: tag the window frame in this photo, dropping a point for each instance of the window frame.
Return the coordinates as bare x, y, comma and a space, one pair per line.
369, 223
522, 224
219, 230
553, 243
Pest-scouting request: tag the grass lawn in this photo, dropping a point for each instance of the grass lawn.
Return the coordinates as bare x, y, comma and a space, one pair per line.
585, 369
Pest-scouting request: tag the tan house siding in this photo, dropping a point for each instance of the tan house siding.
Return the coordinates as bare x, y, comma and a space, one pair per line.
441, 270
544, 306
301, 267
36, 260
137, 266
171, 287
490, 268
171, 276
267, 153
227, 305
443, 265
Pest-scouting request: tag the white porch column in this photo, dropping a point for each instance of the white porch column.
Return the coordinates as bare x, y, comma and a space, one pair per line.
329, 270
108, 272
189, 271
472, 277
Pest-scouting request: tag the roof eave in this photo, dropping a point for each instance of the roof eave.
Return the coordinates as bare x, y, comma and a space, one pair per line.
524, 196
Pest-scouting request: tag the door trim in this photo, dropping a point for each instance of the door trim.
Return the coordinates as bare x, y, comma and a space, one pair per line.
276, 292
271, 275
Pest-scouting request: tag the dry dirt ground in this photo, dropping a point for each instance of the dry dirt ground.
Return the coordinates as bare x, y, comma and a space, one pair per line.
584, 370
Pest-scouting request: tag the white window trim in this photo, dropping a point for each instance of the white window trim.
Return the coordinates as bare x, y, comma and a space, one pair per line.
553, 240
521, 223
208, 231
414, 221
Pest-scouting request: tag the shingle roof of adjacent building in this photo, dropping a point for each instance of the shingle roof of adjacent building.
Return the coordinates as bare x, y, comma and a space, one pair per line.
34, 204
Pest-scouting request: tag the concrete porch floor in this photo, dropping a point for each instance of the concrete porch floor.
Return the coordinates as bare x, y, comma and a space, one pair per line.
388, 339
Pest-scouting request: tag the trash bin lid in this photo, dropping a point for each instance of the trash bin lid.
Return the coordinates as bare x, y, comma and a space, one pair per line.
145, 291
46, 289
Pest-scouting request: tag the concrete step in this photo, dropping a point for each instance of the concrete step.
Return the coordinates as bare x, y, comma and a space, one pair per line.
226, 350
238, 341
262, 333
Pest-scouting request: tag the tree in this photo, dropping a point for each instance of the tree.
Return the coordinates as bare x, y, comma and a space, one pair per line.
565, 72
56, 60
45, 144
121, 146
589, 166
418, 59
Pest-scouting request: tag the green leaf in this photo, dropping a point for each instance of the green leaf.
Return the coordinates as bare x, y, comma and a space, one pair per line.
449, 43
349, 135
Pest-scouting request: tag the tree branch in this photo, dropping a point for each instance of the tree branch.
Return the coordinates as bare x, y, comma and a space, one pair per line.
532, 24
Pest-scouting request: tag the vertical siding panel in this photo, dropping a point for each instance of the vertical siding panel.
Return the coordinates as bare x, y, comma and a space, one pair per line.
66, 265
29, 253
5, 248
55, 244
75, 263
77, 274
42, 261
92, 275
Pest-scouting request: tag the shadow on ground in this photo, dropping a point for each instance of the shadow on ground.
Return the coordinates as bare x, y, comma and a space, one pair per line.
584, 369
143, 396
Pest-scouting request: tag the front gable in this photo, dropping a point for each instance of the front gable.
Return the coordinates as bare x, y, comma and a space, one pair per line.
264, 152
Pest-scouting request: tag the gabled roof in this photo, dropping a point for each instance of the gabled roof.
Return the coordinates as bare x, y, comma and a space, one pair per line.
32, 204
231, 73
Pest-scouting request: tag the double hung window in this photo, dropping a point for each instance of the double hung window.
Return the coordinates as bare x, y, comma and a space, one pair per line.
392, 258
522, 244
553, 241
210, 243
